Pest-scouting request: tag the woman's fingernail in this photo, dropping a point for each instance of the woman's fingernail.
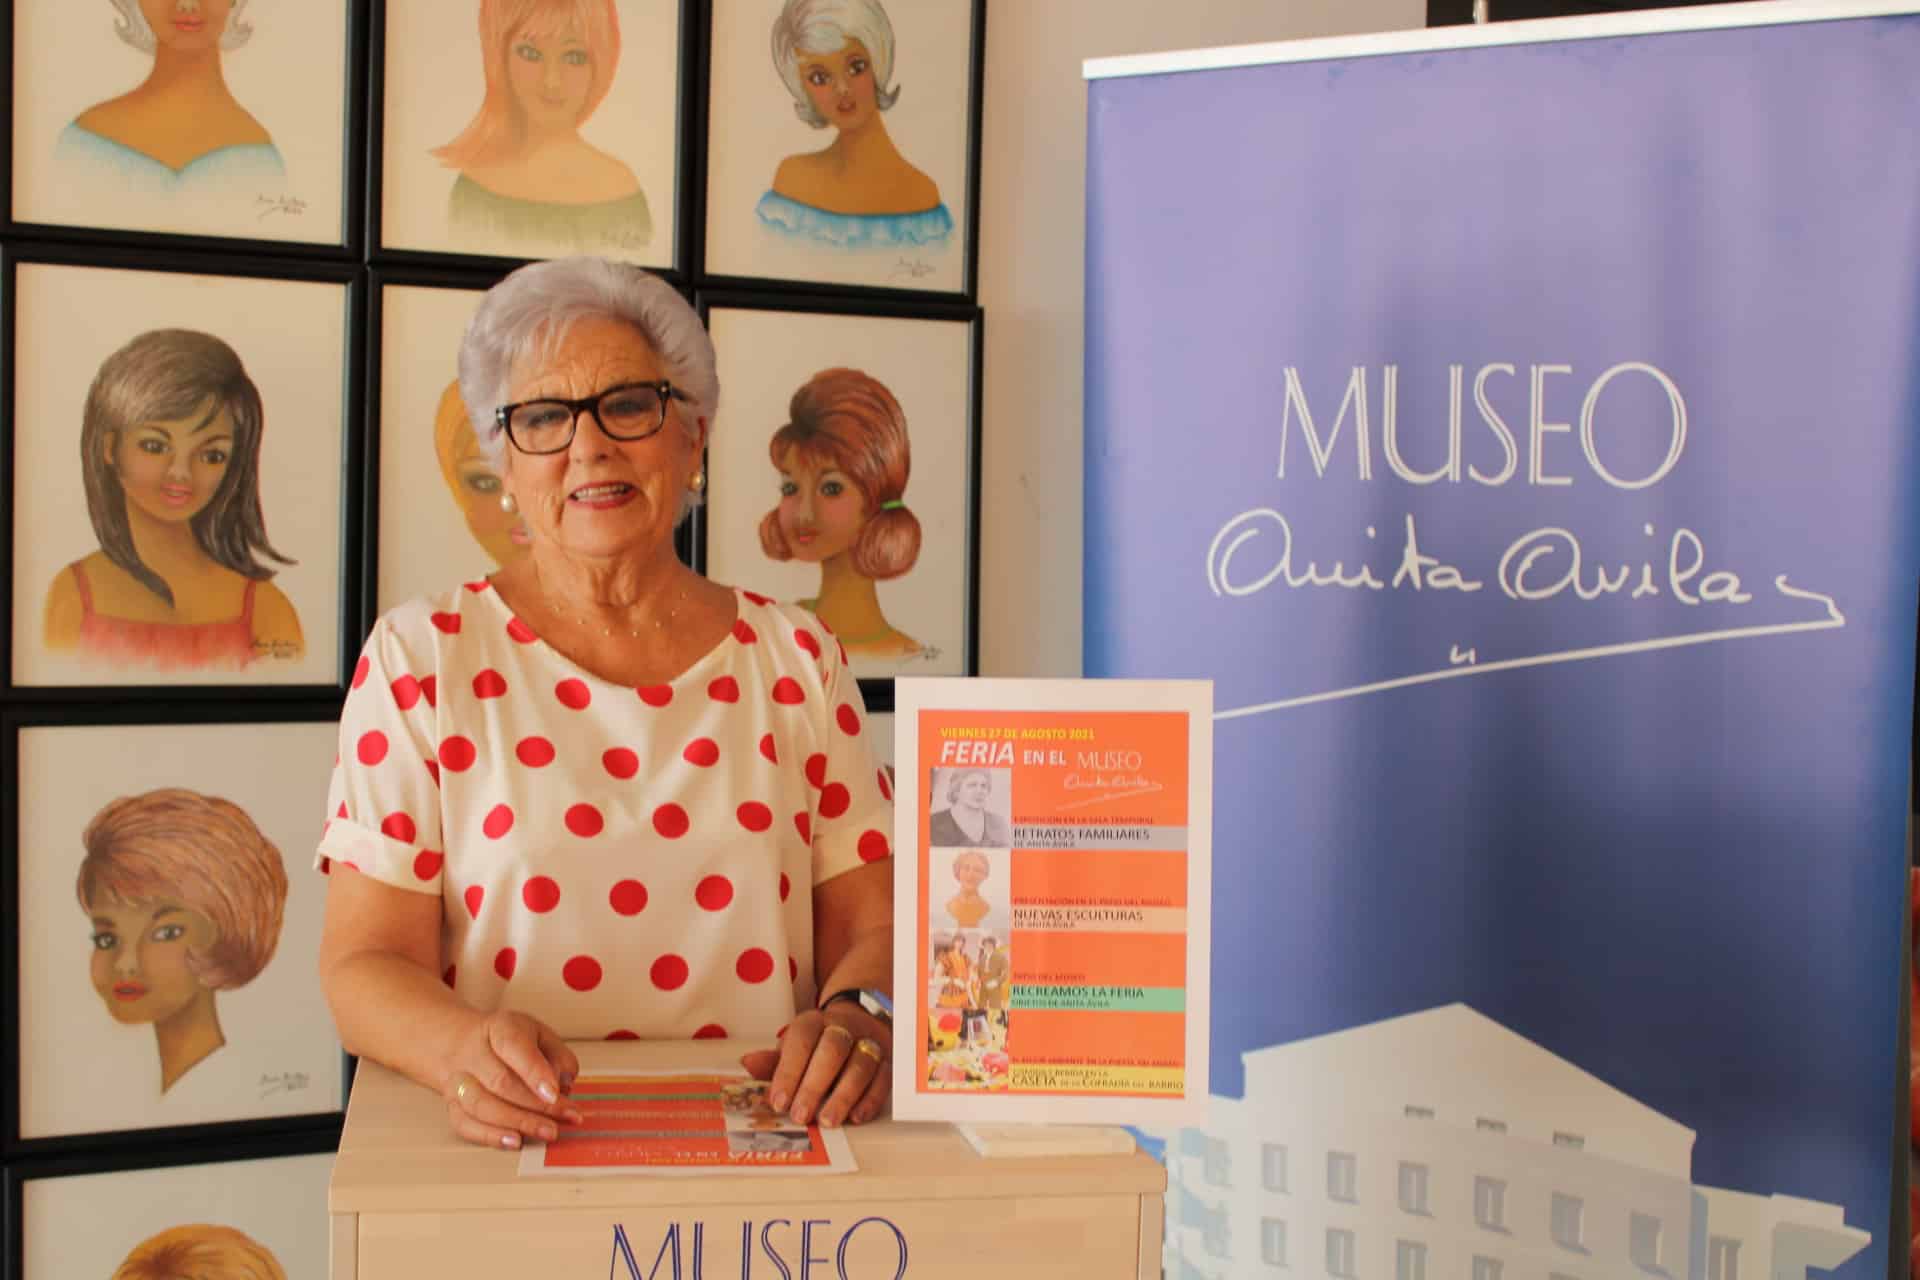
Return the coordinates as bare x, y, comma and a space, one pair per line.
546, 1092
777, 1099
549, 1132
800, 1115
511, 1141
576, 1117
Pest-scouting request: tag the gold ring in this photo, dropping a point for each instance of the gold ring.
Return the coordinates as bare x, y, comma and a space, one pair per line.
834, 1026
460, 1091
871, 1048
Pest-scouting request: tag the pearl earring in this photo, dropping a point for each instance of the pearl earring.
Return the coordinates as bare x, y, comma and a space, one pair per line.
507, 504
697, 481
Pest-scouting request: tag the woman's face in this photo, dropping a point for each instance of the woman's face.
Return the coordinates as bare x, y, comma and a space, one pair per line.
551, 77
140, 958
821, 512
840, 85
503, 534
190, 26
599, 497
170, 469
970, 872
974, 791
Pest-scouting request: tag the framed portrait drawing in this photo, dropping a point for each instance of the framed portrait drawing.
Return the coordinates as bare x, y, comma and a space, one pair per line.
531, 128
842, 475
261, 1218
169, 915
441, 521
206, 118
842, 142
178, 462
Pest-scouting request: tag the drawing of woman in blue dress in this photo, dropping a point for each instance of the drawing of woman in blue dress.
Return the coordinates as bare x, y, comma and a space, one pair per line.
181, 129
836, 59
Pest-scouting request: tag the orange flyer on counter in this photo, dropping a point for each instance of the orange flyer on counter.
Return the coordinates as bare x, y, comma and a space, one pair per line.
1051, 932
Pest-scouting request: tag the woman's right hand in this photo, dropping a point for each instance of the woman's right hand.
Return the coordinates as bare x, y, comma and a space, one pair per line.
509, 1080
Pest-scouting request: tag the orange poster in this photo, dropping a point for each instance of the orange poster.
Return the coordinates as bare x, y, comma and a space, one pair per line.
1051, 899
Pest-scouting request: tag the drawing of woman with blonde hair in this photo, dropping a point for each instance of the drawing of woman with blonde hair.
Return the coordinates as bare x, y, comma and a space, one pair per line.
186, 899
526, 174
200, 1252
843, 461
492, 520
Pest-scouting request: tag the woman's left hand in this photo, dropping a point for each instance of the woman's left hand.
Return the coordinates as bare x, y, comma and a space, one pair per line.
833, 1065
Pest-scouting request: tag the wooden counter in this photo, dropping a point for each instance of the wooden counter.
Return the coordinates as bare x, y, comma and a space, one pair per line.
409, 1200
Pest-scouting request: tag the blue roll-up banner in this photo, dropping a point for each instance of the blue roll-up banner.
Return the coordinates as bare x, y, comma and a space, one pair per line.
1521, 435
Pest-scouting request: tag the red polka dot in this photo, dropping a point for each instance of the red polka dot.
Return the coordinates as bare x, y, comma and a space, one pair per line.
874, 846
622, 1035
433, 768
447, 622
886, 785
786, 692
804, 825
477, 586
704, 752
793, 969
427, 864
849, 718
360, 670
754, 816
744, 633
489, 684
458, 753
712, 1031
629, 897
669, 972
843, 652
767, 748
670, 820
398, 826
714, 893
406, 692
834, 800
573, 694
373, 747
535, 752
430, 690
447, 977
520, 631
504, 961
621, 763
582, 973
725, 689
473, 897
351, 866
541, 894
326, 866
655, 695
342, 811
806, 641
585, 821
817, 769
786, 886
499, 821
757, 598
754, 965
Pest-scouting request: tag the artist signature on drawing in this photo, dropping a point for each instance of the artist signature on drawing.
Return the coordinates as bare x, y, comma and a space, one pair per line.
913, 268
284, 1082
276, 648
270, 205
627, 240
927, 653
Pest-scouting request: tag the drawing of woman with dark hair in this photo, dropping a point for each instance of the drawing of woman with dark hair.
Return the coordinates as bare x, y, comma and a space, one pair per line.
200, 1252
170, 453
186, 898
843, 461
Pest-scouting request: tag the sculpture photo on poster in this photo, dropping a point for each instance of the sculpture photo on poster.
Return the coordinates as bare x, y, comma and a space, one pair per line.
261, 1219
441, 520
840, 478
840, 142
167, 923
177, 472
532, 128
198, 117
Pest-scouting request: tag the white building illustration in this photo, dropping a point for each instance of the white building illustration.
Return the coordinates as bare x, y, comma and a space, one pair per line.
1442, 1146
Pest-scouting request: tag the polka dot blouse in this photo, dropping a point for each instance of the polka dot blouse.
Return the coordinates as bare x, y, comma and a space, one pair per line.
617, 862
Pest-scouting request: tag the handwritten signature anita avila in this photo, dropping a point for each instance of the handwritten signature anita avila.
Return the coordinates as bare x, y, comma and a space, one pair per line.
912, 267
283, 1082
270, 205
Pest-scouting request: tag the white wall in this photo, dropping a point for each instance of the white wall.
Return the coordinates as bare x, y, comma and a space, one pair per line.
1032, 239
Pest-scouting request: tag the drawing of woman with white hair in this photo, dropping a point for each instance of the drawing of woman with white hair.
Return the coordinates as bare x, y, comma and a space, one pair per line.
836, 59
181, 129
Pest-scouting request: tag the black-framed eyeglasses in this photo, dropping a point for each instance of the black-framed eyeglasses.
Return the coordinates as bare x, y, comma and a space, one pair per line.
630, 411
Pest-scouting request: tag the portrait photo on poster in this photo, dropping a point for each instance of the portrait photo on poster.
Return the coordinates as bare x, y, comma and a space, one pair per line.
840, 478
167, 921
243, 1219
840, 141
532, 128
442, 515
971, 808
191, 117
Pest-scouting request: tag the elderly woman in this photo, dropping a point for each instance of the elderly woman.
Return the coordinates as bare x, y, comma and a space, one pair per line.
597, 795
965, 820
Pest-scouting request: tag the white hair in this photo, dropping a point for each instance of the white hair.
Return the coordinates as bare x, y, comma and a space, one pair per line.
529, 314
132, 27
824, 26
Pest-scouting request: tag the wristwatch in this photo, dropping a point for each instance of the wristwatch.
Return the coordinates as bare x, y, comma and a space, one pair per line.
877, 1003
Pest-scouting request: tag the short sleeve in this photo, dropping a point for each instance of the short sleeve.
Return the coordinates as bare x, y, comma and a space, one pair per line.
853, 810
384, 802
